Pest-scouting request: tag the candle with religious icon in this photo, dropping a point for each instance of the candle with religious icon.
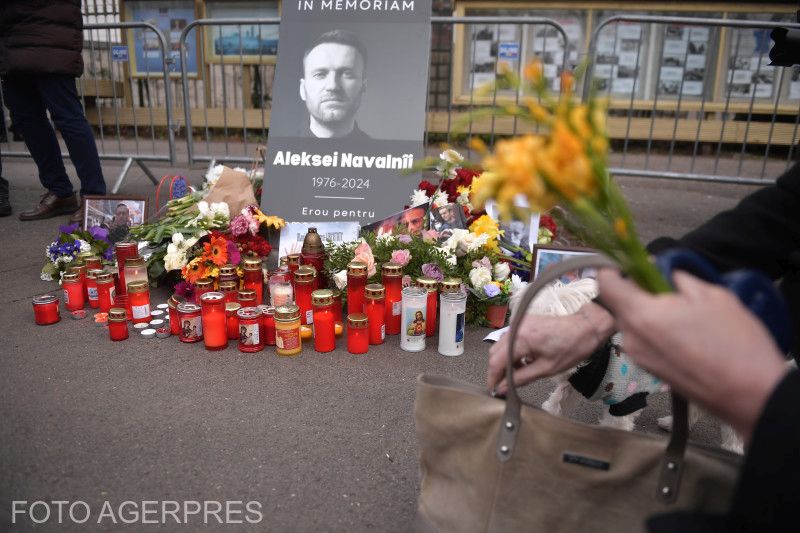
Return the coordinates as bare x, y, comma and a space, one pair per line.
356, 282
392, 274
202, 286
117, 324
253, 278
324, 321
191, 323
232, 319
174, 320
376, 313
105, 291
250, 330
139, 301
46, 310
91, 287
230, 289
304, 286
215, 326
415, 305
431, 287
451, 323
313, 253
287, 330
246, 297
357, 333
73, 291
124, 250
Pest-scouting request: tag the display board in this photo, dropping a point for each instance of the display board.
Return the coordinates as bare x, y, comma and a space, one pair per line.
245, 43
348, 113
685, 61
171, 17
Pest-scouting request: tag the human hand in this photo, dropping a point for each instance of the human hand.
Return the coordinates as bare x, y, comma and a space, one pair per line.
702, 341
549, 345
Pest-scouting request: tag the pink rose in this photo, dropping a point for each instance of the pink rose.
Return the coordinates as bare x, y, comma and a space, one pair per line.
363, 254
430, 235
401, 257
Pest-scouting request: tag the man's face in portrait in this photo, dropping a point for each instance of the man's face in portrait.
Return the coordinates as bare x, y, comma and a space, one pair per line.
447, 214
333, 83
122, 215
414, 219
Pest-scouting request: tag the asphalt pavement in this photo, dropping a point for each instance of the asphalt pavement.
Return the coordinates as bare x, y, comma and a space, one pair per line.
322, 442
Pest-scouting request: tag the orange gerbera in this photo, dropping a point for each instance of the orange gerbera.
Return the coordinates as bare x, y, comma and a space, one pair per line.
194, 270
216, 251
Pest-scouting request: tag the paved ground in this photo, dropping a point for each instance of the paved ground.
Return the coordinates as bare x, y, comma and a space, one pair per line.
323, 442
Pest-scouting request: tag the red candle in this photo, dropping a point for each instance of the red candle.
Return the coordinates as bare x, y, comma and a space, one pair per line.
292, 263
105, 291
45, 309
73, 291
376, 313
393, 282
174, 319
246, 297
202, 286
324, 321
123, 251
317, 260
230, 289
268, 319
191, 324
232, 319
357, 333
139, 301
215, 327
79, 267
93, 263
431, 286
304, 286
91, 288
228, 273
253, 278
356, 281
117, 324
250, 326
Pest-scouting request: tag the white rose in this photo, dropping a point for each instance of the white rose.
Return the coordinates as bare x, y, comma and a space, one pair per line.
451, 156
213, 175
501, 271
517, 284
480, 276
220, 208
456, 237
418, 197
475, 242
340, 279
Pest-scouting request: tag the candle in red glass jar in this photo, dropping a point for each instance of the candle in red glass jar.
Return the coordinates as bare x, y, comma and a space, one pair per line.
230, 289
124, 250
73, 291
93, 262
117, 324
105, 291
45, 309
91, 287
392, 274
253, 278
202, 286
246, 297
232, 319
228, 273
250, 334
337, 310
430, 285
357, 333
268, 320
139, 301
304, 286
376, 314
190, 322
174, 320
79, 267
324, 321
356, 281
215, 327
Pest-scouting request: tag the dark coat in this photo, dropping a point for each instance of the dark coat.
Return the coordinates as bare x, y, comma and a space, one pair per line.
41, 37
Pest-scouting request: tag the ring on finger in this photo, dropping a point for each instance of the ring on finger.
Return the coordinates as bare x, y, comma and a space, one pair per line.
525, 361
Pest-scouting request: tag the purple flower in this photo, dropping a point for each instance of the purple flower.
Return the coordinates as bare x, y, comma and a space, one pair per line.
239, 225
432, 270
179, 188
108, 255
98, 233
233, 253
69, 228
491, 290
405, 239
185, 289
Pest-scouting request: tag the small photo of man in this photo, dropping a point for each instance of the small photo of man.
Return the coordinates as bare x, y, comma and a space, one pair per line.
333, 84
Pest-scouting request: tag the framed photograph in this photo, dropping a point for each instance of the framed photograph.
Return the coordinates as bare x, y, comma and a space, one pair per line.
117, 214
413, 219
445, 218
547, 256
245, 43
520, 233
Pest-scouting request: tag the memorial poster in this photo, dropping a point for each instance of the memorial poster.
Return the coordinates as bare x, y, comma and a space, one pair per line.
348, 112
684, 61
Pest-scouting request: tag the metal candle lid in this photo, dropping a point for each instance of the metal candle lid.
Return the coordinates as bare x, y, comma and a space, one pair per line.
232, 307
188, 307
304, 275
70, 277
212, 297
427, 283
248, 313
126, 245
357, 321
451, 285
357, 269
175, 300
104, 277
293, 259
375, 291
134, 262
115, 314
392, 270
93, 273
246, 295
312, 243
43, 299
322, 297
251, 263
227, 270
137, 286
226, 286
287, 313
204, 283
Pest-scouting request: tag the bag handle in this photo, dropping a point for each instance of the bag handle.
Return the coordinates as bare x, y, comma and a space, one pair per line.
672, 464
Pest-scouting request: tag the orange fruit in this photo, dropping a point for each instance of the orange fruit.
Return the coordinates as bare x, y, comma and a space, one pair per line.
306, 332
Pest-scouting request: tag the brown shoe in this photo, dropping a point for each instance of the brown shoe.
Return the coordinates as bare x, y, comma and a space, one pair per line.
77, 216
51, 206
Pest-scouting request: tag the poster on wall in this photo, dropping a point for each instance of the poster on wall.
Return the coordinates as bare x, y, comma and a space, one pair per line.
684, 61
620, 50
348, 112
171, 17
248, 43
749, 73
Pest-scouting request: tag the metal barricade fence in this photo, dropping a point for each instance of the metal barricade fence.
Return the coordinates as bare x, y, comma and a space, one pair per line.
675, 116
127, 102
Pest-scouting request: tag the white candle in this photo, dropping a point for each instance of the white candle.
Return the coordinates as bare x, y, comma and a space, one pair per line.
281, 294
412, 319
452, 307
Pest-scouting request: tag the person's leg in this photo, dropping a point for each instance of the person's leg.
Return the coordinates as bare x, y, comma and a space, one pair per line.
30, 118
60, 96
5, 204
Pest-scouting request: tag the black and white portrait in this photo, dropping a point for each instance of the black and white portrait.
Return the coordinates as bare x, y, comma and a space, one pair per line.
447, 217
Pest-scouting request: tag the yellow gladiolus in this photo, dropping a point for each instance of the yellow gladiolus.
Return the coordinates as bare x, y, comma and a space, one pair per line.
621, 228
534, 71
537, 111
566, 165
477, 144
